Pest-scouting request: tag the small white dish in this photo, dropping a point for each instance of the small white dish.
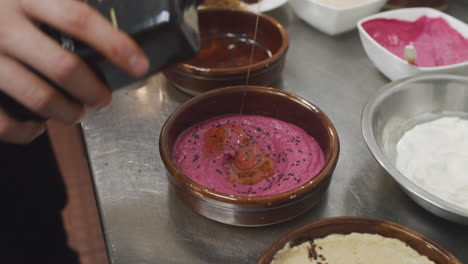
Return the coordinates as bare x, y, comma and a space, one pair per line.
393, 66
266, 5
333, 20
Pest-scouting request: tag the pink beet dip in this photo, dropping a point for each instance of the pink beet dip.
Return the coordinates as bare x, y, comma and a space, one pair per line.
248, 155
436, 42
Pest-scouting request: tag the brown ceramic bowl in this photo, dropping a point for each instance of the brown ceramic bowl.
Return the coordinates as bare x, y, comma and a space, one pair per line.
250, 211
346, 225
194, 76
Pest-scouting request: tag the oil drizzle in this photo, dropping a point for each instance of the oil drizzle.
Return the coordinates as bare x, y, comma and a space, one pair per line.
251, 58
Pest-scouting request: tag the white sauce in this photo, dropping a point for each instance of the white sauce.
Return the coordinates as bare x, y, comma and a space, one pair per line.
434, 155
343, 3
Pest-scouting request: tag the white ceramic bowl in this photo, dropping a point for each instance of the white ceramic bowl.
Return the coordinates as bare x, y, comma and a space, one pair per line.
266, 5
332, 20
393, 66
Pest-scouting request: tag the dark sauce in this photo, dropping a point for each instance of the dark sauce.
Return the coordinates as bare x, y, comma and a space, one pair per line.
229, 50
438, 4
228, 3
250, 1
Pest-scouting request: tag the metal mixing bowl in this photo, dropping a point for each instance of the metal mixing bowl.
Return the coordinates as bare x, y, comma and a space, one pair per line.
401, 105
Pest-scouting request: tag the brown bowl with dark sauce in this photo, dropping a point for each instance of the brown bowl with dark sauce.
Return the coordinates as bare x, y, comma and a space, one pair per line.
263, 101
233, 48
347, 225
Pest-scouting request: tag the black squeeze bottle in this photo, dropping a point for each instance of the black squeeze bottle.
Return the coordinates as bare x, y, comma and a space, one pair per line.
166, 30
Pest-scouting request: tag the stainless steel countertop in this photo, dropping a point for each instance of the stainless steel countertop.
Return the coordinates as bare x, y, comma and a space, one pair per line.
145, 223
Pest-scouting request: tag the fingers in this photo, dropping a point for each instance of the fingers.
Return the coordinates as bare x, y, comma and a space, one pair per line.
86, 24
16, 132
35, 94
61, 66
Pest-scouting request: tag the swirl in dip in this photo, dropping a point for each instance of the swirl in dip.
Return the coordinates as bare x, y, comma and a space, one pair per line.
248, 155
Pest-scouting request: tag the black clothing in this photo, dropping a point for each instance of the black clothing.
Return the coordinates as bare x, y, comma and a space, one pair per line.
33, 196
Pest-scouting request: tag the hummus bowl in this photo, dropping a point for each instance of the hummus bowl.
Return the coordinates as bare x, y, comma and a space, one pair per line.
268, 102
347, 225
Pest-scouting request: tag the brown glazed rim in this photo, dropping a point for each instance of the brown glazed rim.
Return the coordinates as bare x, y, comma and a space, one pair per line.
291, 195
355, 220
243, 69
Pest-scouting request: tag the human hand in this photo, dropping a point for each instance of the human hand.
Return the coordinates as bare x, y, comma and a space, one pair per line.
22, 43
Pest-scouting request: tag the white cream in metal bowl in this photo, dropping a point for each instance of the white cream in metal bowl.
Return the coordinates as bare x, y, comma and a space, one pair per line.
399, 107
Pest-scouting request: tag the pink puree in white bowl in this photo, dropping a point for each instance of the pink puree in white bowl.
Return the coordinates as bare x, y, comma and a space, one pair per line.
436, 42
441, 42
248, 155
